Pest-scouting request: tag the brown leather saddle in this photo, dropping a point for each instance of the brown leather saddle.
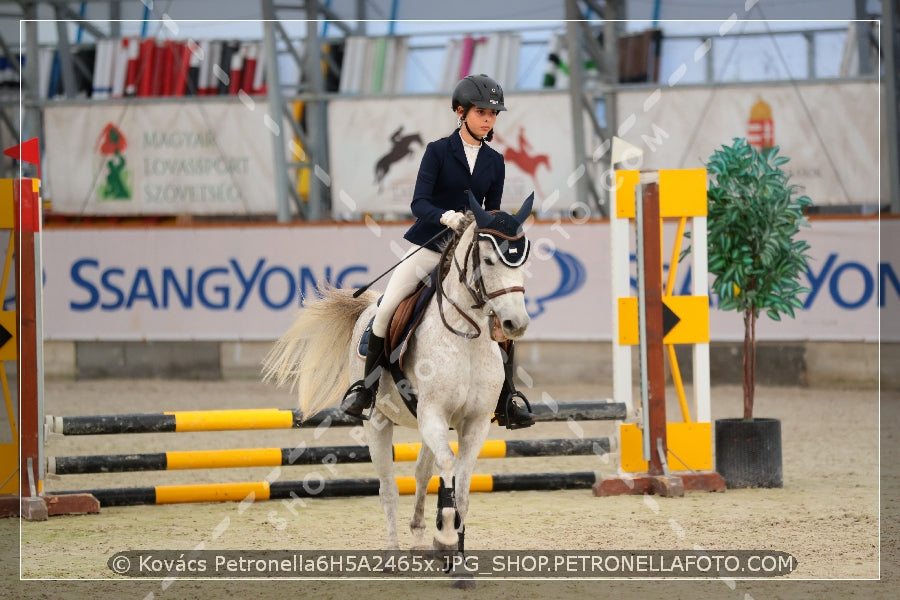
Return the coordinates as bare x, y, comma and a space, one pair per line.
403, 324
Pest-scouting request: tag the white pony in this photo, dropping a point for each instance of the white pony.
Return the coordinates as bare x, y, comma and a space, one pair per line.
452, 362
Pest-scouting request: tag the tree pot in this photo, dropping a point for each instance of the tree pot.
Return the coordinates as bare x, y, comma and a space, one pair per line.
748, 452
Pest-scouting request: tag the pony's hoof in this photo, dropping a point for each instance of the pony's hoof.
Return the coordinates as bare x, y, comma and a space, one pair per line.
446, 536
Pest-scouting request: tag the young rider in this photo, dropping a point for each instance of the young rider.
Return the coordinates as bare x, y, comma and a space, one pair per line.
450, 168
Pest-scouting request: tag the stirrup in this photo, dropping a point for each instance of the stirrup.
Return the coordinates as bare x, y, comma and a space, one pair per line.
357, 399
502, 417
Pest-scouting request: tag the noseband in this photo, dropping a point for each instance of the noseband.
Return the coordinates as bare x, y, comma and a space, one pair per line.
476, 289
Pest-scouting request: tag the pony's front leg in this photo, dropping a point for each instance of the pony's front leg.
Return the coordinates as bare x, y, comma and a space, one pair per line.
379, 432
434, 428
471, 439
424, 470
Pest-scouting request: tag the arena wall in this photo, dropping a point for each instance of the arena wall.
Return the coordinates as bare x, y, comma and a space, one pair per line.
815, 364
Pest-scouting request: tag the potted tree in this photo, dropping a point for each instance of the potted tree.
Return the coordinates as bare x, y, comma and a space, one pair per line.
753, 218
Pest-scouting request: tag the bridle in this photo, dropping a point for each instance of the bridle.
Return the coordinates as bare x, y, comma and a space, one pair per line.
476, 288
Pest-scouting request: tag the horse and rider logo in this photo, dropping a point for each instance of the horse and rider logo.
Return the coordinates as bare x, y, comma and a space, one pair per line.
401, 148
522, 157
111, 145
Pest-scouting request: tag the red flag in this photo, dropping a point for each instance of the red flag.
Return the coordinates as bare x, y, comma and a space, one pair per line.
28, 151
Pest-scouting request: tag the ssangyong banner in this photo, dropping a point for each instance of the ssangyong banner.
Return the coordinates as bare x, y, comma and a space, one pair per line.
376, 146
160, 159
247, 283
830, 132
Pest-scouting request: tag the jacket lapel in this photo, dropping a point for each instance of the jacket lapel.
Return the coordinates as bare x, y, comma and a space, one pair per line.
456, 148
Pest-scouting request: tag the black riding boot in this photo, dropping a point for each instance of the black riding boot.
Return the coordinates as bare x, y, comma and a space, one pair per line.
508, 412
361, 394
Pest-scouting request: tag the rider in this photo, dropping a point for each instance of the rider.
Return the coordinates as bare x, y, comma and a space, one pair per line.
447, 173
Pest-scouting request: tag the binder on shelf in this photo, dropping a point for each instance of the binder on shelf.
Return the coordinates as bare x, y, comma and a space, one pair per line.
222, 75
146, 57
351, 68
196, 56
332, 76
401, 52
452, 60
101, 85
368, 67
234, 71
378, 66
45, 71
167, 76
182, 62
248, 73
210, 51
131, 71
484, 54
259, 75
121, 49
84, 59
159, 66
468, 51
53, 79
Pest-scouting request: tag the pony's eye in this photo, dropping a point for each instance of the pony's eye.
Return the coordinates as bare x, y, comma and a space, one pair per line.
489, 261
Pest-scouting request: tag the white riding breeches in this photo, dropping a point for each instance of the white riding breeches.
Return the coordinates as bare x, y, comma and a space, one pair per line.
407, 275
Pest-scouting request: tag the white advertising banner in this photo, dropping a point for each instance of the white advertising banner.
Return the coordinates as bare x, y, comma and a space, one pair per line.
830, 132
247, 283
159, 159
376, 147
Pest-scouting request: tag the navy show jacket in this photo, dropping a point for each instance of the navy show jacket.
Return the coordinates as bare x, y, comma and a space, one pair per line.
442, 185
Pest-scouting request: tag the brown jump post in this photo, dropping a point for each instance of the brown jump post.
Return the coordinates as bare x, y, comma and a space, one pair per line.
653, 323
28, 226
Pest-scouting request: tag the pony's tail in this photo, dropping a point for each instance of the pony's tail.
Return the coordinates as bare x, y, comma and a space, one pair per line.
312, 356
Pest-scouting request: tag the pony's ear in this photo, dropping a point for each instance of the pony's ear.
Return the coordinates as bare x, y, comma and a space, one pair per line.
524, 210
482, 217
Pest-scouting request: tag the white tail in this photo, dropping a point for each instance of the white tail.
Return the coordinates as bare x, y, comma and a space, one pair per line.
312, 357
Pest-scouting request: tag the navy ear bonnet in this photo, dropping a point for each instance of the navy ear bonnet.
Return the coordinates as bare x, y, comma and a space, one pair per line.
504, 231
507, 237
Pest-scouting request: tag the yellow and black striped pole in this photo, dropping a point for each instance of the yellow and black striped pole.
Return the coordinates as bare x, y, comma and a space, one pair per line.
282, 418
325, 488
304, 455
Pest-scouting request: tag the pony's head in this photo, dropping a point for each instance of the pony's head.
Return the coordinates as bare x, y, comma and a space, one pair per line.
501, 251
504, 231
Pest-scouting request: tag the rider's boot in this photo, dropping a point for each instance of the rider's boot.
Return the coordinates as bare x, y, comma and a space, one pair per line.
361, 394
509, 412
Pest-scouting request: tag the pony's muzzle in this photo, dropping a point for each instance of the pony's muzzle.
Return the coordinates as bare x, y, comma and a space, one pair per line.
513, 329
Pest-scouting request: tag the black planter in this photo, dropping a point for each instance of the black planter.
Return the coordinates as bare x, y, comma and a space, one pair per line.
748, 453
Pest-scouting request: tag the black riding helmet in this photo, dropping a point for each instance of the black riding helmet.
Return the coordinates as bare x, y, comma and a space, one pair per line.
478, 90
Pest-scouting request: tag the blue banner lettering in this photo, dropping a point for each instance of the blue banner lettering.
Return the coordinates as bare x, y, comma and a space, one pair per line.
215, 288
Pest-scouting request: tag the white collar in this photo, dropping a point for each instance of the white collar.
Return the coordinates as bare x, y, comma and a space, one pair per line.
467, 144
